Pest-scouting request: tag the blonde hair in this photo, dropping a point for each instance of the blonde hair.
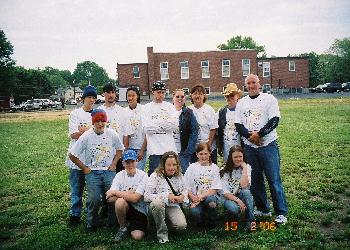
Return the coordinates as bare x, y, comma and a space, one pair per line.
160, 170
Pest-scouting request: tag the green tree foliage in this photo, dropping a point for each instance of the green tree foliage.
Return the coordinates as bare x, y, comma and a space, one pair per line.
58, 78
90, 72
31, 83
7, 76
340, 59
246, 42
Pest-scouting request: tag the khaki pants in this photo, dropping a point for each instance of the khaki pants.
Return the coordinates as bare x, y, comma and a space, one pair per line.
172, 215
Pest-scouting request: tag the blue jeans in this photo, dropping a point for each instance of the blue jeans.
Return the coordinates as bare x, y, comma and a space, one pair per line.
141, 164
266, 160
154, 161
77, 184
98, 183
184, 161
246, 197
198, 211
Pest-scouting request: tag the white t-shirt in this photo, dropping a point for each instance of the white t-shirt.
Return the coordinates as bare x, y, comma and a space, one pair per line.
77, 118
118, 119
158, 188
159, 121
199, 178
176, 133
207, 120
232, 184
136, 139
231, 136
137, 183
254, 114
97, 151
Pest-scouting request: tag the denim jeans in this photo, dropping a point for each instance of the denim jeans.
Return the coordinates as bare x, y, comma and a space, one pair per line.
154, 161
266, 160
198, 211
77, 184
141, 164
184, 161
98, 183
246, 197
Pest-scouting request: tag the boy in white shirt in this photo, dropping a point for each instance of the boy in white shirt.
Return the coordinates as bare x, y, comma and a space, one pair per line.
126, 195
159, 121
117, 118
79, 122
96, 153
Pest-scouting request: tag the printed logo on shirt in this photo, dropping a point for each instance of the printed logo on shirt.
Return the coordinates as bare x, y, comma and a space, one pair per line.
253, 118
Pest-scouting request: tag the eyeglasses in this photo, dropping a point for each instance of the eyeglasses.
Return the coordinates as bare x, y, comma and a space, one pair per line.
251, 82
180, 96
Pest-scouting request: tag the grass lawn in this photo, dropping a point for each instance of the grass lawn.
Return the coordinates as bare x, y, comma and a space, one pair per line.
314, 138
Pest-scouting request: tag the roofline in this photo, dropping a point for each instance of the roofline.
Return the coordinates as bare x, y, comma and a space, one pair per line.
206, 51
281, 57
129, 63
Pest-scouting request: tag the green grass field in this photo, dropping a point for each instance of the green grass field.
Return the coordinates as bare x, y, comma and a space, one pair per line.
315, 148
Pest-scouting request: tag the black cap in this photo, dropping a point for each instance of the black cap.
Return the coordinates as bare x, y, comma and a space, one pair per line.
158, 85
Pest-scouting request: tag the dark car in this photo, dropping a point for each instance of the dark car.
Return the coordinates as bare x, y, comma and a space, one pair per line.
333, 87
346, 86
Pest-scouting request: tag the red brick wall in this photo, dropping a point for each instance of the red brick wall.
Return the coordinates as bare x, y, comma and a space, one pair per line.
126, 76
280, 76
216, 81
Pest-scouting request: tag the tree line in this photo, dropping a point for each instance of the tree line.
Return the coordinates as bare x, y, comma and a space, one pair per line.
23, 84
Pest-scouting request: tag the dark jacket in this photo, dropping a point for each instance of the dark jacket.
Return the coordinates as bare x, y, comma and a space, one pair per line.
189, 128
222, 124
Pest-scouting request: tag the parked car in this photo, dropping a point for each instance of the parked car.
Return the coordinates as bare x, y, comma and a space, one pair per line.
346, 86
318, 89
266, 88
100, 99
333, 87
72, 102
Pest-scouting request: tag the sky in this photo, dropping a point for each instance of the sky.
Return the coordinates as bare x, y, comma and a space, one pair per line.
63, 33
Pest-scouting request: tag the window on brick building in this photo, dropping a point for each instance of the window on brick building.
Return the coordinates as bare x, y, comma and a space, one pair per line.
246, 67
291, 66
205, 69
266, 69
185, 72
207, 90
186, 91
225, 68
136, 72
164, 73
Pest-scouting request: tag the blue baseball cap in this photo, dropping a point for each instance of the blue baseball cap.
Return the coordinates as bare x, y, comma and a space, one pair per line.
129, 155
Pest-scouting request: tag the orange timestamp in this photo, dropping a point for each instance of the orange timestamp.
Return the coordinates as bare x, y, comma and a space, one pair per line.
262, 225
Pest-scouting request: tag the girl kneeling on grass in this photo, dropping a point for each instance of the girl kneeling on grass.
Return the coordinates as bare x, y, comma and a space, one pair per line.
203, 181
166, 191
235, 179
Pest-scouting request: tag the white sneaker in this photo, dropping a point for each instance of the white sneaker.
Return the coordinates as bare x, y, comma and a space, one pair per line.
258, 213
162, 241
281, 219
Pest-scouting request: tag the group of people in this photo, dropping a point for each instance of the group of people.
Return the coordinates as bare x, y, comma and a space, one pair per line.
109, 147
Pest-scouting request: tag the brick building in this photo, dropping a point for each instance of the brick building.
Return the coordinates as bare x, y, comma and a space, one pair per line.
284, 72
213, 69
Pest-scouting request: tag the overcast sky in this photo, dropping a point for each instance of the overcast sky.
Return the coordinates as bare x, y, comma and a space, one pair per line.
63, 33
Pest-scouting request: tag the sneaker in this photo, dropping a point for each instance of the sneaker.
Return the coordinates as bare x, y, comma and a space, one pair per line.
162, 241
281, 219
122, 234
258, 213
74, 221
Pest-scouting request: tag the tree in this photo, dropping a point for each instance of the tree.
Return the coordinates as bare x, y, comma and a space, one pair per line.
58, 78
239, 42
7, 77
340, 60
90, 72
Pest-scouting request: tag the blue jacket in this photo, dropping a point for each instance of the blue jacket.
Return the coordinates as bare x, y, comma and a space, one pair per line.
189, 128
220, 132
